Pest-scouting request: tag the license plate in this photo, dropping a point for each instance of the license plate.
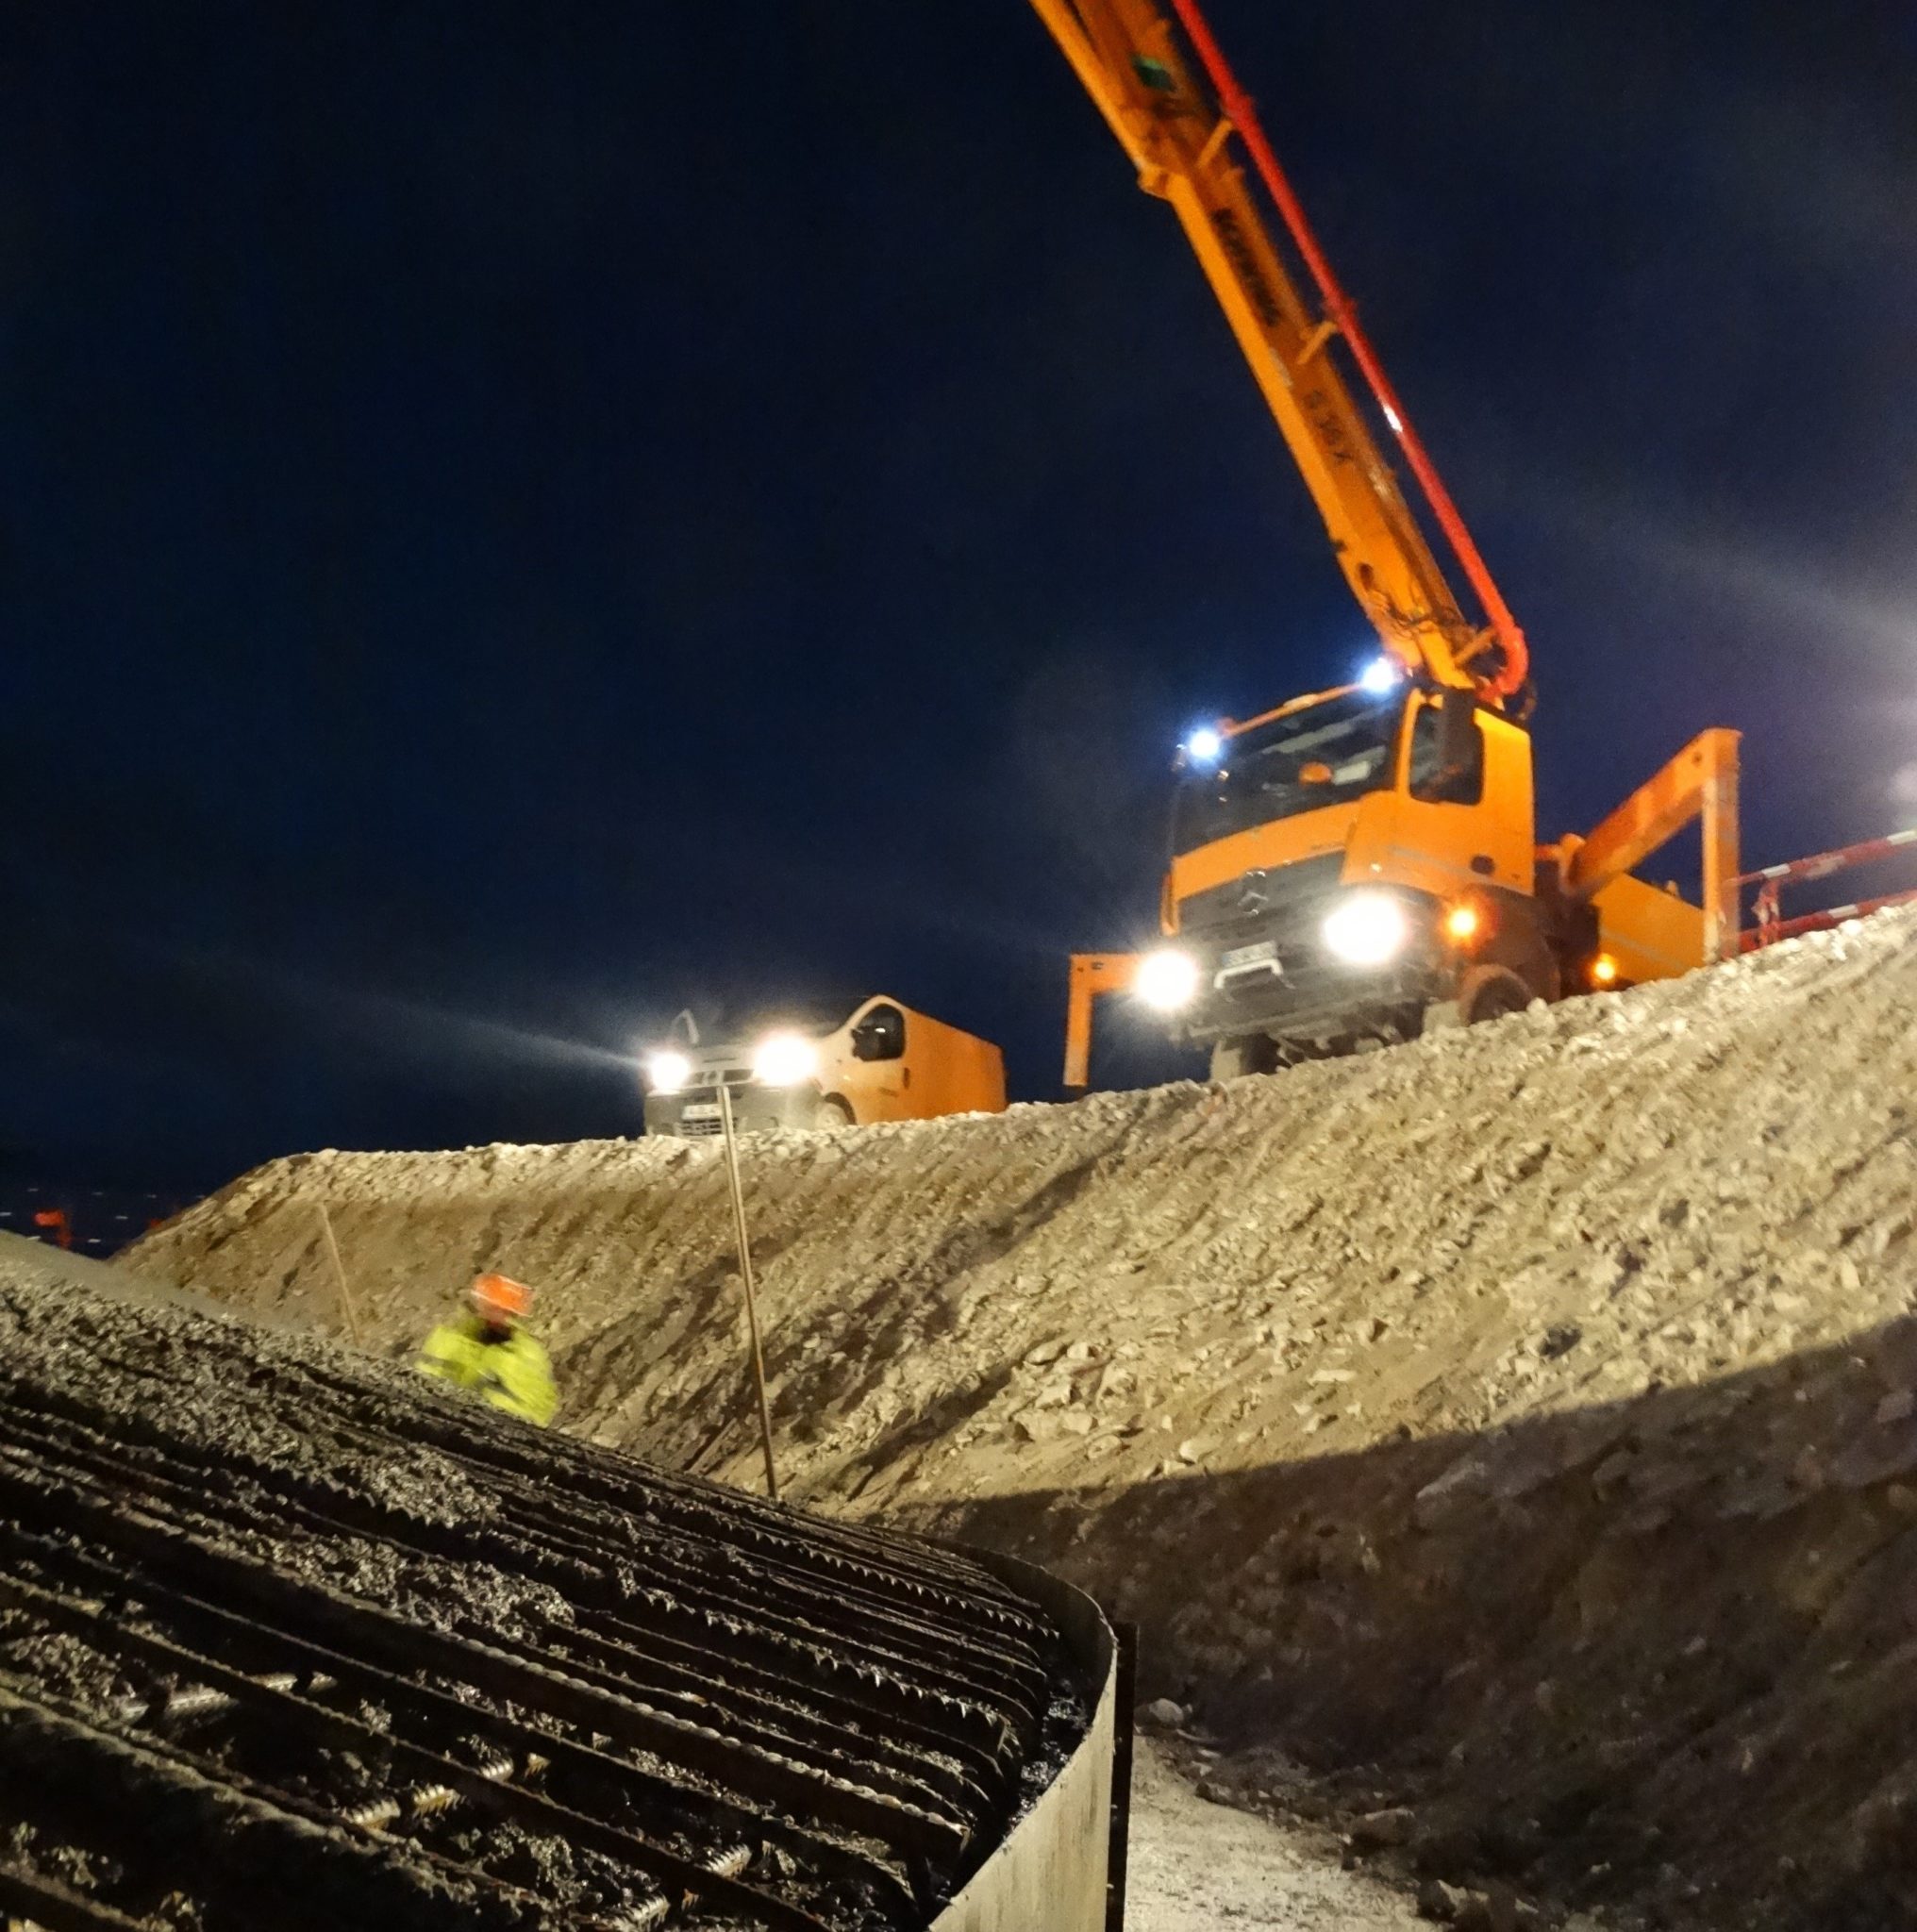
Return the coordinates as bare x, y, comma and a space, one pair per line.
1251, 956
700, 1110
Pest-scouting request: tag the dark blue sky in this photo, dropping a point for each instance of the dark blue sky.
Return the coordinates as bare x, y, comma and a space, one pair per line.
515, 518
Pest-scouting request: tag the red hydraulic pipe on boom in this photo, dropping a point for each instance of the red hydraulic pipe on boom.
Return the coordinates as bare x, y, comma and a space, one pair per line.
1239, 111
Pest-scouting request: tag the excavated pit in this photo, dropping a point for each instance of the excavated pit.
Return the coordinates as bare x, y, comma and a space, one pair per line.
1519, 1427
289, 1639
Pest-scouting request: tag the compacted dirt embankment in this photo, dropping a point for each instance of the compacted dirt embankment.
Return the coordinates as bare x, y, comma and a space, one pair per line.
1519, 1427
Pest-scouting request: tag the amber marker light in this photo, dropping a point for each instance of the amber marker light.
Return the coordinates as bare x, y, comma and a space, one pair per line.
1462, 924
1603, 970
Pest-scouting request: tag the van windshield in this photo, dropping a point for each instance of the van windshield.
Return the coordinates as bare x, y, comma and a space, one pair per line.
1322, 756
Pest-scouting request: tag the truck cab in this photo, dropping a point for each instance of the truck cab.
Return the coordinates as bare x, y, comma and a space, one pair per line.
1360, 865
883, 1062
1340, 865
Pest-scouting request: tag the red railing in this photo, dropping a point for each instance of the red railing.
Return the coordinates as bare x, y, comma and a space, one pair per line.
1771, 923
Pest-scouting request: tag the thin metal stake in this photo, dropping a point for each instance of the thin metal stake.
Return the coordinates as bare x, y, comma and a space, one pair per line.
339, 1275
745, 1275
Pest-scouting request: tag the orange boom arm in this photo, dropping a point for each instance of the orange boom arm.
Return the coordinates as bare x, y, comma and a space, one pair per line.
1179, 133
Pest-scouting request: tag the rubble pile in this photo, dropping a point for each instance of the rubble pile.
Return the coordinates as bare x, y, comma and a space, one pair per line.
1517, 1429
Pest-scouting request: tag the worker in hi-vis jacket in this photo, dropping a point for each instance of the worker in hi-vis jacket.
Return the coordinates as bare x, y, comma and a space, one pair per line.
486, 1353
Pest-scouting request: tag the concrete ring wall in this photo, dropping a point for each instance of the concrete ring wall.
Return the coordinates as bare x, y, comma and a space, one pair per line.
1048, 1874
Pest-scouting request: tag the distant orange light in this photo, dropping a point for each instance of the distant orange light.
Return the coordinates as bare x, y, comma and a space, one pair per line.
1604, 969
1461, 924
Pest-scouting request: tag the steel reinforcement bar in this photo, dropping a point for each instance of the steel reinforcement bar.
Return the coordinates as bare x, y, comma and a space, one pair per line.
395, 1651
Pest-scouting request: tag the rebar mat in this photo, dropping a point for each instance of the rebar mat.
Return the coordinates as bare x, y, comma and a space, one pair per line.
287, 1639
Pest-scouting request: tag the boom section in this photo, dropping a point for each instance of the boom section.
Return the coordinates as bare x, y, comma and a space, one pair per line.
1128, 57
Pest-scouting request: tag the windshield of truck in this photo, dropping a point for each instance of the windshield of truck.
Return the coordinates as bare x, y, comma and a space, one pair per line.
732, 1031
813, 1018
1321, 756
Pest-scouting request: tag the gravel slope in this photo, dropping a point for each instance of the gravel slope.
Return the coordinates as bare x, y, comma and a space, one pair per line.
1521, 1424
1197, 1866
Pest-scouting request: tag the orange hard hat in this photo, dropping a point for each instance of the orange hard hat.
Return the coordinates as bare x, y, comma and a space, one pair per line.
499, 1294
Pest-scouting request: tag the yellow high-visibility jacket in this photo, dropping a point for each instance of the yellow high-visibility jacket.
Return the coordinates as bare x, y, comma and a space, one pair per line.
513, 1374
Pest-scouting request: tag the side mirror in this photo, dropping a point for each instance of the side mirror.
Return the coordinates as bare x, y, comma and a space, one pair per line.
1456, 735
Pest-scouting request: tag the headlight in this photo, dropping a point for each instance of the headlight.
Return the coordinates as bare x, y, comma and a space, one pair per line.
784, 1059
1366, 929
1167, 980
667, 1072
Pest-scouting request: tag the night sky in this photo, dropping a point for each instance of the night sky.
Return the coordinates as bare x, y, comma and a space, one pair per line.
515, 518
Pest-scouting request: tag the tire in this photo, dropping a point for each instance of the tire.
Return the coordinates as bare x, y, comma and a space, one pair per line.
1491, 992
830, 1114
1233, 1058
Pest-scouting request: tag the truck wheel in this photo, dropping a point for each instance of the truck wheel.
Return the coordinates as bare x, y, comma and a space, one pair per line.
829, 1114
1253, 1053
1491, 992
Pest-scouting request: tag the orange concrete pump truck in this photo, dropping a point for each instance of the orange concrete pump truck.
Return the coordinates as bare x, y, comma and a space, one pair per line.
1358, 864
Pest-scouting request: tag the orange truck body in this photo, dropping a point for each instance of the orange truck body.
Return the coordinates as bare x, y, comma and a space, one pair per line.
1356, 864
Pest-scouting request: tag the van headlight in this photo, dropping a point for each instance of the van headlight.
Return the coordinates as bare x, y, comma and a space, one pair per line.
1167, 979
1366, 928
667, 1072
784, 1059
